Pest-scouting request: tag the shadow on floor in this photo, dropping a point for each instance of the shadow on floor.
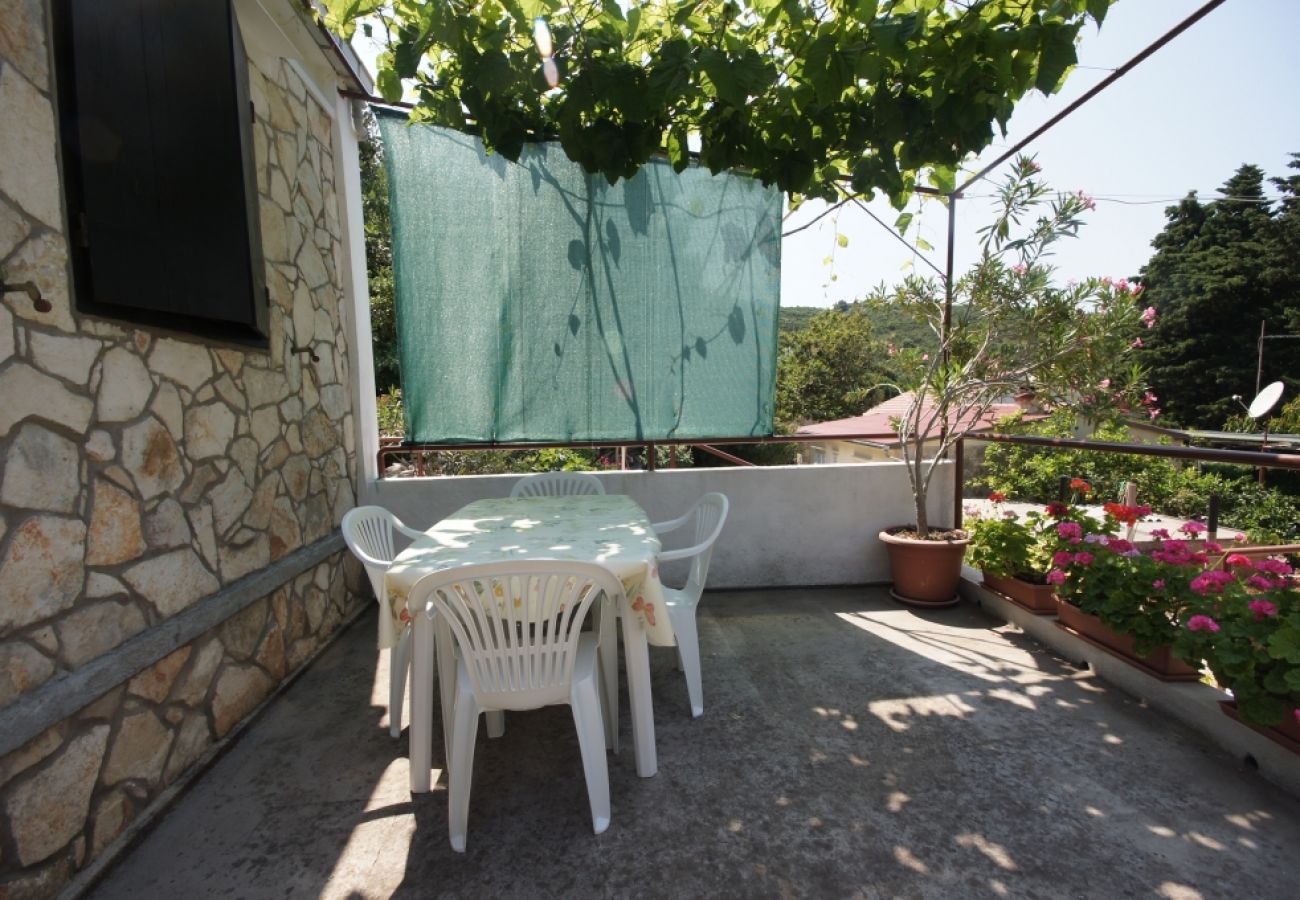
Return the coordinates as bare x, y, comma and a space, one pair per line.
848, 747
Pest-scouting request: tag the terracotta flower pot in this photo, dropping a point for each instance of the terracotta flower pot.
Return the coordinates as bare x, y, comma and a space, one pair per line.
1037, 598
926, 573
1160, 663
1287, 734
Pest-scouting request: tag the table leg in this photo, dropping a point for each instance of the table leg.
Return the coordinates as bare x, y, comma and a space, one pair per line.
636, 653
421, 735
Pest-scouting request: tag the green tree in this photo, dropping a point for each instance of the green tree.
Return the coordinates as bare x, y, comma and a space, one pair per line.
808, 96
1220, 268
379, 261
829, 369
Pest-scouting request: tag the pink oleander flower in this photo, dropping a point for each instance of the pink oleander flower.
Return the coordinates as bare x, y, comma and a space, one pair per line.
1202, 623
1104, 384
1020, 268
1149, 316
1154, 412
1062, 558
1237, 559
1211, 582
1056, 576
1158, 584
1137, 342
1070, 531
1084, 558
1297, 715
1088, 202
1191, 529
1148, 398
1262, 609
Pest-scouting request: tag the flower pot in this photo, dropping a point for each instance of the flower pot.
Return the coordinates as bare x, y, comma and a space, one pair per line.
1160, 663
926, 573
1287, 734
1037, 598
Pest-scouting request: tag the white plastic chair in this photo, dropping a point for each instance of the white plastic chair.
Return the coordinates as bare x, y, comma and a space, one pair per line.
368, 531
556, 484
518, 627
708, 515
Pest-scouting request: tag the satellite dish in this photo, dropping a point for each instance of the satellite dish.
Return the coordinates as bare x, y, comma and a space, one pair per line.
1265, 400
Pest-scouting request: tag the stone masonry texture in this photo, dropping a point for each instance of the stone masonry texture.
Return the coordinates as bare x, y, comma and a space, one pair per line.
143, 471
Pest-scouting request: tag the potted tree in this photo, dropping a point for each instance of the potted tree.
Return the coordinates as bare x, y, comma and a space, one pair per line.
1002, 329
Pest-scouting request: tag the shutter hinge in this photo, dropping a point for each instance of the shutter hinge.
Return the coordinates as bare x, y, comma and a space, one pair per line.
266, 292
252, 112
83, 230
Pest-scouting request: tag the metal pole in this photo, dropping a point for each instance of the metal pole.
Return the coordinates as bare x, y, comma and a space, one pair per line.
959, 464
1259, 366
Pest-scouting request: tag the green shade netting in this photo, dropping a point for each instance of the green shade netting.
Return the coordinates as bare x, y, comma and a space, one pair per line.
536, 302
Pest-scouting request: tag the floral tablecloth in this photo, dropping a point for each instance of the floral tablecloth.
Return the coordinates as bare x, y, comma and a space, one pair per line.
612, 530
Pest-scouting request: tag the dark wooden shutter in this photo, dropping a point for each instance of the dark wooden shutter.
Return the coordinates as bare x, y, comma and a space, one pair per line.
158, 153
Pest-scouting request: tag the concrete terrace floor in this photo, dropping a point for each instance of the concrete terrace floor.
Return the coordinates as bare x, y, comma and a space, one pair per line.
849, 747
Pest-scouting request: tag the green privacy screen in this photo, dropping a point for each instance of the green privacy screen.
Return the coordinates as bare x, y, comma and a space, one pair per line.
538, 303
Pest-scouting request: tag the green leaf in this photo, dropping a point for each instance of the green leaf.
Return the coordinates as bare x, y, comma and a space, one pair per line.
903, 222
923, 244
842, 240
1056, 55
725, 79
678, 150
1098, 9
389, 84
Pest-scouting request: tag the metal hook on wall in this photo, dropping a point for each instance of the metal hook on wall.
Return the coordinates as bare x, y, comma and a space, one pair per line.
39, 303
308, 350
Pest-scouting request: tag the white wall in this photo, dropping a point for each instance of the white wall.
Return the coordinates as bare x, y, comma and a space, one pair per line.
788, 525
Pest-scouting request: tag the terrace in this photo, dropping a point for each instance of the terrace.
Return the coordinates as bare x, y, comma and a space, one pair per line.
190, 697
849, 747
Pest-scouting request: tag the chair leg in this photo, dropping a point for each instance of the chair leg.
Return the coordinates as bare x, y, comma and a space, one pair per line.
463, 736
496, 722
688, 646
587, 720
607, 661
399, 663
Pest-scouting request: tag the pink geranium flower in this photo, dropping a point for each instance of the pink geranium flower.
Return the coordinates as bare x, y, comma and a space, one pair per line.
1069, 530
1084, 558
1237, 559
1056, 576
1192, 528
1202, 623
1062, 558
1262, 609
1211, 582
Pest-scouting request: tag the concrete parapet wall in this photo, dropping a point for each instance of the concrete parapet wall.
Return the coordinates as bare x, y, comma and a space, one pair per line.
788, 525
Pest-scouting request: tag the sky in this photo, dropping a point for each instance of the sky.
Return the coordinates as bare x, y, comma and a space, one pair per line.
1221, 94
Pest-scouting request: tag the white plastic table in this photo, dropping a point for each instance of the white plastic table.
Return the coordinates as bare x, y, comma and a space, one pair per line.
608, 529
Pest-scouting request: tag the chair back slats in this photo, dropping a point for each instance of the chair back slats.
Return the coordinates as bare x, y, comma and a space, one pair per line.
517, 623
368, 531
556, 484
710, 516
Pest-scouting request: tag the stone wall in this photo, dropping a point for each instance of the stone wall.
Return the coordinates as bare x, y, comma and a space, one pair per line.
144, 473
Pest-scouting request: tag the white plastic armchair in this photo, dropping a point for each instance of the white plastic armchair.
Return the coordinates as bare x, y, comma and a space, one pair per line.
518, 628
368, 531
708, 515
556, 484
